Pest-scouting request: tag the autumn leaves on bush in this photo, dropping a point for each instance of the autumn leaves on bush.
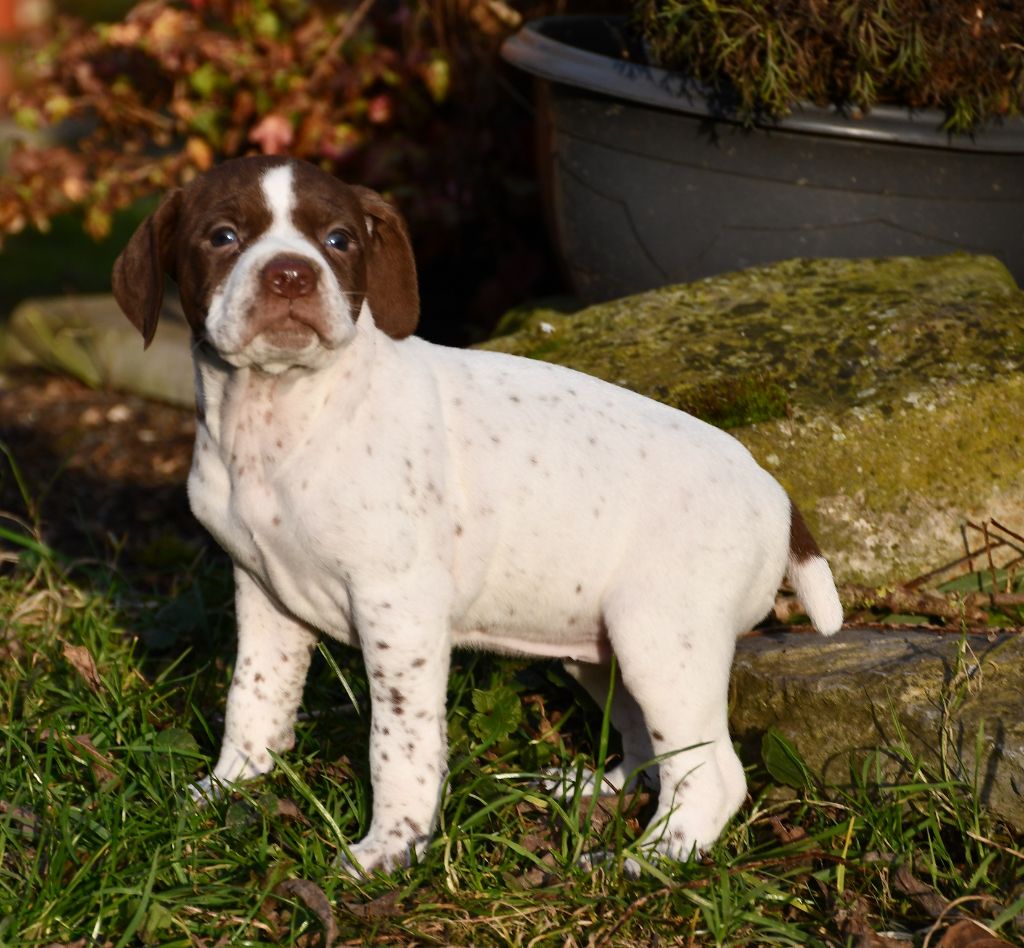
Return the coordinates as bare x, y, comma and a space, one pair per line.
156, 97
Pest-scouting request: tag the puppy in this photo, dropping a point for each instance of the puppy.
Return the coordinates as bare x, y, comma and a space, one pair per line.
407, 498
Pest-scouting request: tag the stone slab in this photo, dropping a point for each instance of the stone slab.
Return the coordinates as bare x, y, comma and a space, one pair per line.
89, 338
954, 701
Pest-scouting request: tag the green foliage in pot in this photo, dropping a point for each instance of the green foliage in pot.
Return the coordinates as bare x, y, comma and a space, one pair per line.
965, 57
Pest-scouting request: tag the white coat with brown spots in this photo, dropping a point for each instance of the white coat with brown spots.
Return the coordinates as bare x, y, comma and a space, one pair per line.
407, 498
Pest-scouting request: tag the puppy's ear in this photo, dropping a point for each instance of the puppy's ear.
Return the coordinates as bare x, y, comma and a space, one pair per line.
390, 268
138, 277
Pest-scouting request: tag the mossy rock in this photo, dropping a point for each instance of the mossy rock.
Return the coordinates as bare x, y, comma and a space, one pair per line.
886, 395
950, 702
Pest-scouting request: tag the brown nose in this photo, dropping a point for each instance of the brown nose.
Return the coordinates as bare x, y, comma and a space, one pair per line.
290, 277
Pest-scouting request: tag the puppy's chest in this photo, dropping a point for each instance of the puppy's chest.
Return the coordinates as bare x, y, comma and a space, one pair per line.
255, 488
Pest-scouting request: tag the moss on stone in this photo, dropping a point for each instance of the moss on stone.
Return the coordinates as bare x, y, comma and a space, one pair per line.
886, 395
550, 307
732, 402
888, 485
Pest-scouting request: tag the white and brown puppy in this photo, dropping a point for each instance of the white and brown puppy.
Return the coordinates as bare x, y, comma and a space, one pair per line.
406, 498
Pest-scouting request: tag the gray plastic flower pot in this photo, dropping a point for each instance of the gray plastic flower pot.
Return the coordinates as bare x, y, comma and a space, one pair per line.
649, 182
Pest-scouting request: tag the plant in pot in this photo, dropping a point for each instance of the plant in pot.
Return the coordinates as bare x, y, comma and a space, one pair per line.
695, 136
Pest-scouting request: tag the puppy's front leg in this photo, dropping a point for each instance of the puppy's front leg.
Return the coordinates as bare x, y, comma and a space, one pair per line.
274, 652
407, 658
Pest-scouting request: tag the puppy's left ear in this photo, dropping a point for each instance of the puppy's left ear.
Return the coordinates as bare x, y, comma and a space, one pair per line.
138, 277
390, 268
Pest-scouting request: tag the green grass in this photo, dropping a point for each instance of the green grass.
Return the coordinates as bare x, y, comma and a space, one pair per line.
98, 839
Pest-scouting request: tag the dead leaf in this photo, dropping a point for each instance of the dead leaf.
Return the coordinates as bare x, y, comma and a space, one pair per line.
532, 878
289, 811
537, 840
100, 764
510, 18
905, 882
853, 916
880, 940
315, 899
385, 906
91, 417
124, 34
83, 663
968, 934
536, 876
379, 109
608, 806
28, 821
274, 134
74, 188
82, 743
199, 152
169, 27
786, 834
97, 222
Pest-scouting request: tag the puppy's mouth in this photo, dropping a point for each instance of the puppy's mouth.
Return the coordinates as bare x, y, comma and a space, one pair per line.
275, 335
289, 325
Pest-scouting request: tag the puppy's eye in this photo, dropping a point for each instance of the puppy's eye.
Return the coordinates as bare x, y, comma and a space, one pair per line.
337, 240
223, 237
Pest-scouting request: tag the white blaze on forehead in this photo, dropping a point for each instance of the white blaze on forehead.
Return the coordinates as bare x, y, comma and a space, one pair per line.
279, 192
234, 300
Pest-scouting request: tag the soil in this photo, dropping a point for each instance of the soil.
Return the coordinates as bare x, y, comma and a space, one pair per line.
104, 472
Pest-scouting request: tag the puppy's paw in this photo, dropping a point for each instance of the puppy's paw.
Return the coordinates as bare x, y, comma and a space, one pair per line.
565, 785
206, 791
663, 853
631, 869
680, 846
381, 854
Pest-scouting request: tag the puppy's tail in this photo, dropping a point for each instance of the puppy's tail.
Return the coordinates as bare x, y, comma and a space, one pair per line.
811, 577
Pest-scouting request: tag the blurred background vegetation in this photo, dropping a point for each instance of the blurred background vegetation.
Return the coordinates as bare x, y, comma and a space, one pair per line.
111, 103
106, 103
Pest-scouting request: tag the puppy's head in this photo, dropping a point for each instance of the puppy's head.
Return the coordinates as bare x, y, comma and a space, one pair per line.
274, 260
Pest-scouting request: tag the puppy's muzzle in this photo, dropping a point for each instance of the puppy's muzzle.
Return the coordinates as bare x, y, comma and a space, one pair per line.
290, 313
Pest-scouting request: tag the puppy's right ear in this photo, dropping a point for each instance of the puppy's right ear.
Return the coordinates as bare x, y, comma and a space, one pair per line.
391, 287
138, 277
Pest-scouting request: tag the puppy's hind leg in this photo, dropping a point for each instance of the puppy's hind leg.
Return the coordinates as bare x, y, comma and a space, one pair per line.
677, 668
627, 719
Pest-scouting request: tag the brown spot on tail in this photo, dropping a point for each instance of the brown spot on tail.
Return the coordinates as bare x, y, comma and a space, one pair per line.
802, 545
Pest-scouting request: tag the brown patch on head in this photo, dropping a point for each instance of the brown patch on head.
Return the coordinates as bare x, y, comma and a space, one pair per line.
175, 241
230, 196
802, 545
391, 285
184, 239
138, 276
